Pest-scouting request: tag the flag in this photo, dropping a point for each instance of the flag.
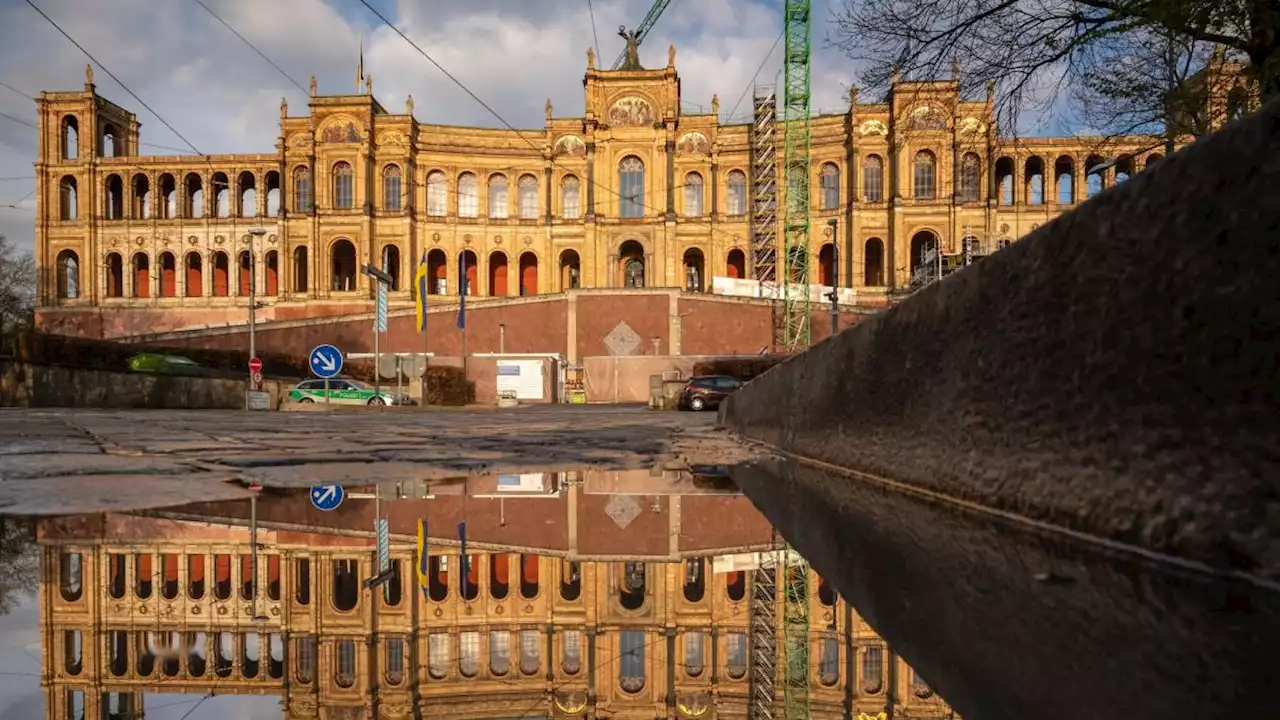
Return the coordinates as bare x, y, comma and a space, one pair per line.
462, 291
424, 563
360, 66
420, 280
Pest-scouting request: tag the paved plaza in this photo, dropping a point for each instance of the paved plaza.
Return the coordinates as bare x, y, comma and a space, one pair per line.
69, 461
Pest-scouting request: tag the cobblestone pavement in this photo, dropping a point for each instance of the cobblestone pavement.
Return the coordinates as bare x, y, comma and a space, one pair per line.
70, 461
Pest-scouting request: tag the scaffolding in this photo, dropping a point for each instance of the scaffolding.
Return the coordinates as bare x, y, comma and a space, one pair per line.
795, 138
930, 265
764, 640
795, 635
764, 197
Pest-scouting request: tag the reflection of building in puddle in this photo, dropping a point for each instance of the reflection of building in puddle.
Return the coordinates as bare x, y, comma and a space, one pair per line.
135, 605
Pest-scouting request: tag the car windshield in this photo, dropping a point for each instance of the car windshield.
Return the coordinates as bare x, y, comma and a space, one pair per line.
178, 360
360, 385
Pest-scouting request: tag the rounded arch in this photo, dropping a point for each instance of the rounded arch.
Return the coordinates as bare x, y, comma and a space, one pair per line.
736, 261
468, 195
923, 240
113, 201
343, 186
221, 274
141, 267
499, 196
437, 193
437, 272
736, 198
570, 270
470, 267
826, 264
115, 275
631, 187
694, 191
247, 194
631, 264
110, 143
498, 273
528, 273
829, 186
342, 265
68, 275
391, 264
168, 199
924, 175
193, 266
271, 273
570, 197
68, 192
392, 188
301, 265
970, 189
695, 269
70, 137
873, 263
528, 197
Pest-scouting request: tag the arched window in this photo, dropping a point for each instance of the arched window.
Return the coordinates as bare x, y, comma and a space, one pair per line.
343, 266
114, 206
694, 270
571, 651
570, 198
873, 263
528, 187
115, 275
570, 270
70, 200
631, 187
272, 204
247, 196
221, 274
1004, 180
736, 198
631, 259
693, 192
346, 585
68, 275
302, 190
737, 264
631, 666
71, 576
70, 138
1063, 172
391, 192
528, 274
468, 195
109, 146
393, 667
438, 655
168, 197
300, 267
925, 177
343, 186
345, 671
530, 655
193, 196
271, 273
694, 654
468, 653
221, 195
873, 179
828, 661
829, 185
391, 264
735, 665
970, 177
141, 206
194, 267
872, 669
437, 194
245, 276
72, 651
141, 276
1034, 178
497, 274
499, 200
169, 275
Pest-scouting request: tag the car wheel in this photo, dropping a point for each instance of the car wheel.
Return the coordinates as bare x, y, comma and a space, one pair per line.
376, 401
697, 404
305, 401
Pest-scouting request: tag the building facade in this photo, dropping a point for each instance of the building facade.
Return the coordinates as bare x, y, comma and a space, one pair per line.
634, 193
136, 605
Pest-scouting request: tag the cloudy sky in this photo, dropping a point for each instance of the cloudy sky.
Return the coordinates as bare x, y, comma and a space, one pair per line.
223, 98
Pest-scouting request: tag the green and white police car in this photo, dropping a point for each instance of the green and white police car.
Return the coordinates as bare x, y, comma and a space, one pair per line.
345, 392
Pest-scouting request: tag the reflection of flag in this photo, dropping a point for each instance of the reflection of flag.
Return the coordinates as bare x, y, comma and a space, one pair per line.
420, 280
462, 291
424, 562
462, 541
360, 66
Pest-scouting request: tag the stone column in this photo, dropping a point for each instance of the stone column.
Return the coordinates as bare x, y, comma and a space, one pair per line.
591, 666
546, 173
671, 669
671, 180
591, 182
715, 190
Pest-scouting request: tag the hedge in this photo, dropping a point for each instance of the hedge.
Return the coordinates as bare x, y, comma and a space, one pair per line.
446, 385
742, 368
65, 351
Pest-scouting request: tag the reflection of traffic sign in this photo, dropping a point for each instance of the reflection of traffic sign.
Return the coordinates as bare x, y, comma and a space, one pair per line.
327, 497
380, 316
383, 529
256, 377
326, 361
413, 365
255, 365
388, 365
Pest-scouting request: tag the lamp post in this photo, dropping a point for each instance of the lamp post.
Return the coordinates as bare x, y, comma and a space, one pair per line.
254, 234
835, 277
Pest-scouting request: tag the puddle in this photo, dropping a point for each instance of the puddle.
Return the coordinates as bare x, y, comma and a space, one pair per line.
547, 594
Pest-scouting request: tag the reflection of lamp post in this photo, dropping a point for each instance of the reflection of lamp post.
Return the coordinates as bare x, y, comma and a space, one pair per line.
835, 277
254, 233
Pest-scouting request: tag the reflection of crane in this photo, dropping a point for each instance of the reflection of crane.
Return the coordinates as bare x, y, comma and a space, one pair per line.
645, 26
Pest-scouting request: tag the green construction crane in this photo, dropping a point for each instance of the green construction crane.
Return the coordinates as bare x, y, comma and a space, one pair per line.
645, 26
795, 136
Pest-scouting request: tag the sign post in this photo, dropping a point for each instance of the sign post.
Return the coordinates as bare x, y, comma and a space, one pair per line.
326, 363
383, 281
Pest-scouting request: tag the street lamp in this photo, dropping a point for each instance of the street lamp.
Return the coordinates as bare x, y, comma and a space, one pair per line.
254, 233
835, 277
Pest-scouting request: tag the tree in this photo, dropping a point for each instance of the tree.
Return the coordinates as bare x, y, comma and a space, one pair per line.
17, 287
19, 563
1034, 48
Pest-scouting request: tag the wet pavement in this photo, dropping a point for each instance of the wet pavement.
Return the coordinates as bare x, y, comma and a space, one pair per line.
60, 461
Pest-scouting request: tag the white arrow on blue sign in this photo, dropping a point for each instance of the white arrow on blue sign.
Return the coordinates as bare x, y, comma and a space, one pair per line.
327, 497
326, 361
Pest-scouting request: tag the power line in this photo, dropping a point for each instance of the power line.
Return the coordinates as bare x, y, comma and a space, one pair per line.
19, 121
14, 89
113, 77
252, 47
751, 82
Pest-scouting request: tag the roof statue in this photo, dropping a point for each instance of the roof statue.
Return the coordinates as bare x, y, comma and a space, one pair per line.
631, 59
284, 108
955, 69
313, 86
715, 104
88, 74
591, 59
368, 84
408, 105
671, 55
548, 111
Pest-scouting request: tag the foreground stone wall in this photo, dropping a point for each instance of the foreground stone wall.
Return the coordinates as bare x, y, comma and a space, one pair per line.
23, 385
1114, 373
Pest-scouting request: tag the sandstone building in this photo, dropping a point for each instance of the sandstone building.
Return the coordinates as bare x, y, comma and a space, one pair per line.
637, 192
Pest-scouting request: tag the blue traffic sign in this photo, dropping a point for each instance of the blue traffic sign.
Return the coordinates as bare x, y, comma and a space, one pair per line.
326, 361
327, 497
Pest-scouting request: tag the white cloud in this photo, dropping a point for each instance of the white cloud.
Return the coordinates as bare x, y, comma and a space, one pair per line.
223, 98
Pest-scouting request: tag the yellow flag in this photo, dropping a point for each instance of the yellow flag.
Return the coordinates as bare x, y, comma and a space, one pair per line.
420, 283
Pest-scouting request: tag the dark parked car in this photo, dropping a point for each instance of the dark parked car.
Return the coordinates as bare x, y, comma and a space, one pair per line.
702, 393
